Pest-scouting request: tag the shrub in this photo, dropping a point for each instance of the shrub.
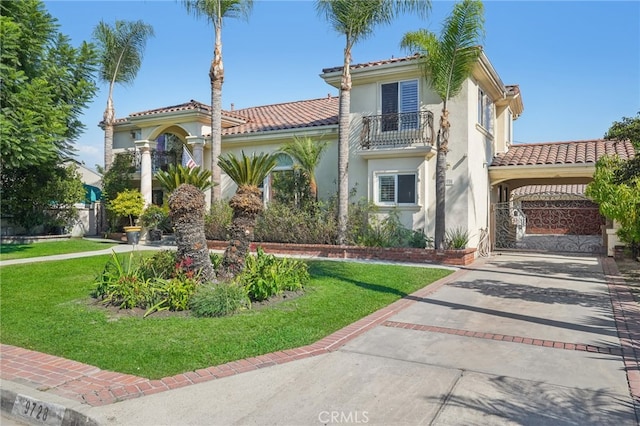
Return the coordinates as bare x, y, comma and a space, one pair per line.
420, 240
122, 284
173, 294
155, 217
265, 275
161, 265
217, 221
456, 238
219, 300
283, 224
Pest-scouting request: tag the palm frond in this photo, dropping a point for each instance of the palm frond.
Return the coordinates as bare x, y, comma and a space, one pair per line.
121, 49
357, 19
448, 60
247, 171
177, 175
214, 10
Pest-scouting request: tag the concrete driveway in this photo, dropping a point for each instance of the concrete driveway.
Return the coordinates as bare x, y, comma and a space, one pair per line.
514, 339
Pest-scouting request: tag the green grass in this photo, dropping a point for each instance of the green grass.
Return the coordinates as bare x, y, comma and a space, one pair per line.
44, 307
74, 245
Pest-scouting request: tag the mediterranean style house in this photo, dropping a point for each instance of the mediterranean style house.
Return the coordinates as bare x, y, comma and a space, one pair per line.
394, 115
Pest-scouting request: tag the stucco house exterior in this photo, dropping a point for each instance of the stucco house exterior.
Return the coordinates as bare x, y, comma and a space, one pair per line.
394, 115
392, 157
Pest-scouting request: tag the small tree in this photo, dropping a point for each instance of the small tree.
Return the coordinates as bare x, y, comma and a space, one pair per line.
307, 153
129, 203
247, 173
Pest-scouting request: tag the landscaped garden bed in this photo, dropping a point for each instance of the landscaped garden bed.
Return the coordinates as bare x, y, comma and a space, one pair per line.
58, 316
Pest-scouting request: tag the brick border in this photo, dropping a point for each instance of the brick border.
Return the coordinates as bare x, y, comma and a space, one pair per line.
626, 313
507, 338
95, 387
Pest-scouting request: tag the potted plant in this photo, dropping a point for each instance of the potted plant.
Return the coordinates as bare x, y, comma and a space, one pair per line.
129, 203
151, 217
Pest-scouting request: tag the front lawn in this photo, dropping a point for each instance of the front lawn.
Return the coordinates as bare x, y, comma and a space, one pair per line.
74, 245
46, 307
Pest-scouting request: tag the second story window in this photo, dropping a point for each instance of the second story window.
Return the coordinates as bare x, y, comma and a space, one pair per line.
400, 105
485, 111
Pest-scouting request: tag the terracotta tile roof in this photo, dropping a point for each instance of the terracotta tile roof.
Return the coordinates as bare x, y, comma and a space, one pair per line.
573, 152
372, 64
191, 105
549, 190
290, 115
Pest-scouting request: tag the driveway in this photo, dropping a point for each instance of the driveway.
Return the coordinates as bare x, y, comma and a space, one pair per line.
514, 339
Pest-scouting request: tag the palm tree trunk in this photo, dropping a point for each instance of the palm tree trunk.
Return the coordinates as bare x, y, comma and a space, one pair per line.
246, 205
343, 147
108, 118
442, 145
216, 74
187, 209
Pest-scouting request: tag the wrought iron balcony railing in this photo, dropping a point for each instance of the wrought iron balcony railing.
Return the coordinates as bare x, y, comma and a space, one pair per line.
397, 130
160, 160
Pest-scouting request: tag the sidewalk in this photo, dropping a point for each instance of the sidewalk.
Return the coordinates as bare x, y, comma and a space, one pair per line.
526, 339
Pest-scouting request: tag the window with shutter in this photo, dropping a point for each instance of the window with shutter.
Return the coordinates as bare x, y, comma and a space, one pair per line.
394, 189
401, 98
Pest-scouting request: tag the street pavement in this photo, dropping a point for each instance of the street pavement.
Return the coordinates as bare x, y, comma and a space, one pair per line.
533, 339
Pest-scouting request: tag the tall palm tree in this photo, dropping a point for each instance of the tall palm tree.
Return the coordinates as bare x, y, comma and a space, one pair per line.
446, 63
248, 173
121, 48
215, 11
307, 153
356, 20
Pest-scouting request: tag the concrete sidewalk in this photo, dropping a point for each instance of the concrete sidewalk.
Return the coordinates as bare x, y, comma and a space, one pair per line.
515, 339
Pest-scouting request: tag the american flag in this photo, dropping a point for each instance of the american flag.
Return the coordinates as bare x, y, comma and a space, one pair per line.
187, 159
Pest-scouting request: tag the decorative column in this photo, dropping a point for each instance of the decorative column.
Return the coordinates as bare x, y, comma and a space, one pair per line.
197, 148
146, 172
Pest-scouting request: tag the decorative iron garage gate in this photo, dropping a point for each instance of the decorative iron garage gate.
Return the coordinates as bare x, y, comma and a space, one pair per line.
540, 222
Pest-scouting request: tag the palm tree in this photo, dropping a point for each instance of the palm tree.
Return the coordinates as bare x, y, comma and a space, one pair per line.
356, 20
307, 153
446, 63
121, 50
215, 11
248, 173
177, 175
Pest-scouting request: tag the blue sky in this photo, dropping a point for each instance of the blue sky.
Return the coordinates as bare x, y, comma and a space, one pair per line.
577, 63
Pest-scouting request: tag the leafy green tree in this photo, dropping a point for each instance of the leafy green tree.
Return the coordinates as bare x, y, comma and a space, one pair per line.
356, 20
447, 62
627, 129
127, 204
248, 173
177, 175
617, 200
215, 11
307, 153
46, 83
121, 49
42, 196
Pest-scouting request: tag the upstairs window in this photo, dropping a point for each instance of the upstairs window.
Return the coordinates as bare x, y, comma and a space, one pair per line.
395, 189
485, 111
400, 105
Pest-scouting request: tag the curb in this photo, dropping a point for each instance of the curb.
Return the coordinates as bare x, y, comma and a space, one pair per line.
31, 410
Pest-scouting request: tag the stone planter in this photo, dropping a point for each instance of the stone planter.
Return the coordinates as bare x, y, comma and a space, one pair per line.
133, 234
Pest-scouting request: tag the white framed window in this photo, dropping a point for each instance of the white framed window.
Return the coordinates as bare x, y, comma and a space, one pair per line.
396, 189
399, 105
485, 111
283, 169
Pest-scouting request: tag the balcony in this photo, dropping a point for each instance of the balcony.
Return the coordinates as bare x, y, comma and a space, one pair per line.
398, 130
160, 160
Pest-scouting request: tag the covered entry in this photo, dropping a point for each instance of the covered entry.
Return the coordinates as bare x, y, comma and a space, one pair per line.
538, 196
548, 218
